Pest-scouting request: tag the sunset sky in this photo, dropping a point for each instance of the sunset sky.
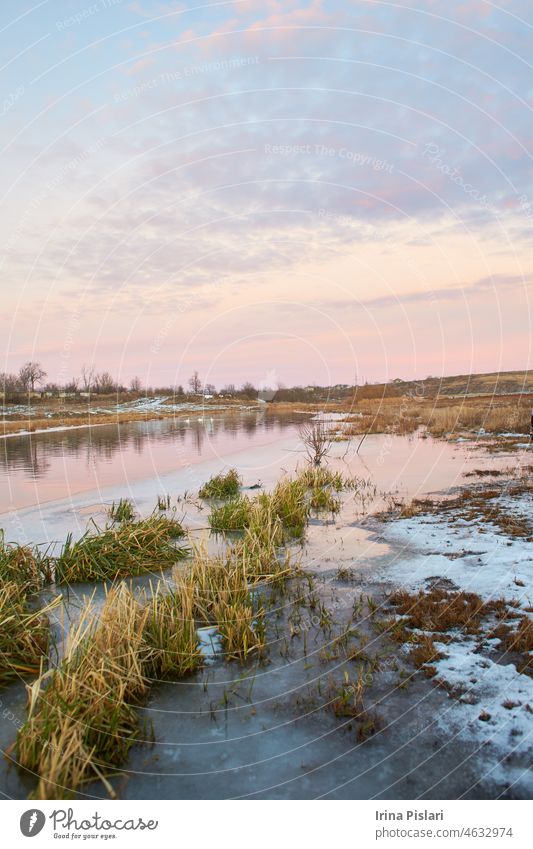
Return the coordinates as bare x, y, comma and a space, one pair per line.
305, 192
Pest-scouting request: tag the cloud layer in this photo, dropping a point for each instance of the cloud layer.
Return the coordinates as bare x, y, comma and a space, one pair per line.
359, 181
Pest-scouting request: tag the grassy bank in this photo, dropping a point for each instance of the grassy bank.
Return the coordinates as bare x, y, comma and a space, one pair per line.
440, 416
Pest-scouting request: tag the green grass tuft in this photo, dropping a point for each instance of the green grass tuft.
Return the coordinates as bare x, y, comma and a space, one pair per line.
122, 511
221, 486
233, 515
130, 548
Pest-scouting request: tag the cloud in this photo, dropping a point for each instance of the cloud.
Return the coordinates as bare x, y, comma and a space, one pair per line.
244, 141
497, 284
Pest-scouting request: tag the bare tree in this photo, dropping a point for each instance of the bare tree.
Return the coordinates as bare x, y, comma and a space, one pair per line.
248, 390
316, 440
87, 377
195, 383
73, 385
30, 374
10, 386
210, 389
135, 384
105, 383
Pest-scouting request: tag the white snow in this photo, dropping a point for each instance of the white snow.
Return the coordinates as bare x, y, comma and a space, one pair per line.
483, 560
477, 557
483, 688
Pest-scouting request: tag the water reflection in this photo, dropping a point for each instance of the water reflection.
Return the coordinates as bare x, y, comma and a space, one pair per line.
52, 457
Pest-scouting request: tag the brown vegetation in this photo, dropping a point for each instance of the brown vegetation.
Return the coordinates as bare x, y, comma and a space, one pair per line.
440, 611
440, 416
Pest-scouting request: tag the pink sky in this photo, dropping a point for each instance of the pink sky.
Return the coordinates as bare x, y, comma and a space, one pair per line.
270, 192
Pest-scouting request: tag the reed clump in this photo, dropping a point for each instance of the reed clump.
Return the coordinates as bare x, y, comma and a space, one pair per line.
130, 548
233, 515
223, 595
24, 625
22, 565
170, 638
315, 477
82, 719
221, 486
122, 511
259, 551
324, 500
240, 620
24, 633
290, 502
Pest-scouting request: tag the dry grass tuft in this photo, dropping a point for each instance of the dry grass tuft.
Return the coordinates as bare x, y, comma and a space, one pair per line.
24, 633
439, 610
425, 653
82, 721
170, 638
222, 594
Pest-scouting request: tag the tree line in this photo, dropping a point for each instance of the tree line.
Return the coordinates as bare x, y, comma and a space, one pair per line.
30, 380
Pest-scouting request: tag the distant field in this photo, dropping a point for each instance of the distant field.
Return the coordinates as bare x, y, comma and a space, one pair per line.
470, 385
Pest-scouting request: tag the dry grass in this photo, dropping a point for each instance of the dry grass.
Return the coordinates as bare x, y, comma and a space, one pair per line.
170, 636
478, 503
440, 416
440, 611
82, 717
24, 633
82, 721
240, 621
425, 653
483, 503
222, 594
519, 641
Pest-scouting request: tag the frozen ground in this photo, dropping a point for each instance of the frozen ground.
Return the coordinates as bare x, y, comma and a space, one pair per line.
491, 701
474, 555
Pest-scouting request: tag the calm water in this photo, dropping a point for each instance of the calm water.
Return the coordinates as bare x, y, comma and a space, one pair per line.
54, 482
43, 467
